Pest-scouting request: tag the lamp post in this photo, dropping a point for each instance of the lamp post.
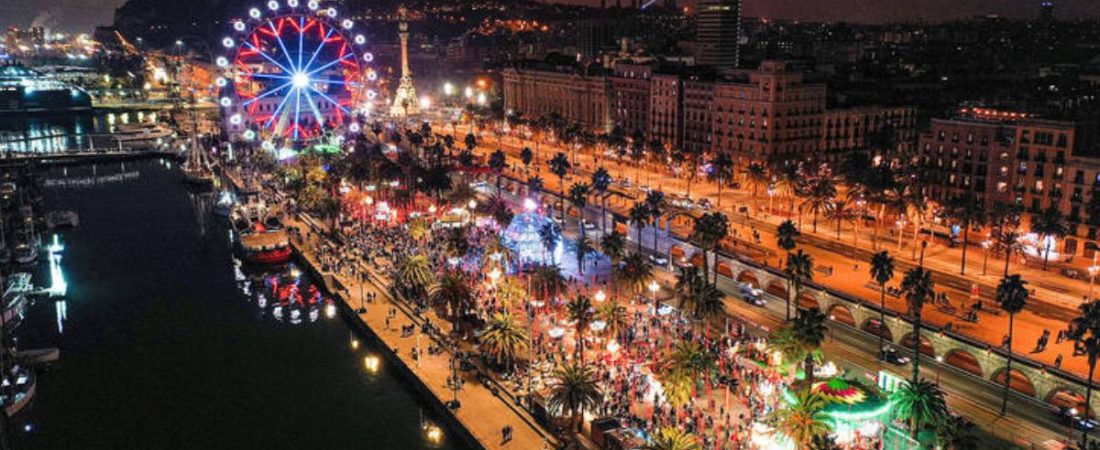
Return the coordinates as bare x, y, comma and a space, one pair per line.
600, 296
939, 367
454, 404
653, 288
1092, 275
985, 246
362, 308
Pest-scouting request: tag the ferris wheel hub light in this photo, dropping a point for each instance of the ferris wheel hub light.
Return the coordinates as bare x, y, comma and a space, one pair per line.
300, 80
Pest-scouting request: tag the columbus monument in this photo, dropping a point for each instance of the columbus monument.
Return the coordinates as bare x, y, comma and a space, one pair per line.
405, 102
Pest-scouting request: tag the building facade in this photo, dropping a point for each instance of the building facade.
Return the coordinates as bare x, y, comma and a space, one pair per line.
575, 97
1011, 158
752, 115
718, 28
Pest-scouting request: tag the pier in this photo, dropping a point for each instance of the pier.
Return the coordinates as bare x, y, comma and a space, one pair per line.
485, 410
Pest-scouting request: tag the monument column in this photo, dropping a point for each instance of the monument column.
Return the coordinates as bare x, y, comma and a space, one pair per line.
405, 102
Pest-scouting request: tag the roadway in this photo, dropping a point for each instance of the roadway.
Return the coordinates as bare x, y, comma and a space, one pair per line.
1048, 309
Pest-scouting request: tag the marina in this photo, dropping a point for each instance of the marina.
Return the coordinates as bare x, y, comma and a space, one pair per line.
230, 342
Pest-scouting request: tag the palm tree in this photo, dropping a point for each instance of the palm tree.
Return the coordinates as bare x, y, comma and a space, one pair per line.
635, 272
655, 205
580, 312
672, 439
413, 276
613, 246
708, 232
550, 235
574, 390
614, 315
1012, 295
920, 402
800, 268
560, 166
968, 211
453, 292
534, 184
1008, 241
601, 182
639, 217
578, 194
840, 211
584, 248
918, 287
721, 172
1084, 331
804, 420
498, 162
882, 270
810, 328
547, 282
1051, 225
821, 194
504, 338
785, 237
758, 176
526, 156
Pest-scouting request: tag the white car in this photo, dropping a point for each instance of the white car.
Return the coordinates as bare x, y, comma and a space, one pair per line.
588, 226
752, 296
658, 260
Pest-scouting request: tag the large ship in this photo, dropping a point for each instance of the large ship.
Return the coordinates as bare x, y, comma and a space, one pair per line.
24, 90
260, 238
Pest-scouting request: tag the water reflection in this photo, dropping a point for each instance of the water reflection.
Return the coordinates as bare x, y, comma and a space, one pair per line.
283, 293
56, 133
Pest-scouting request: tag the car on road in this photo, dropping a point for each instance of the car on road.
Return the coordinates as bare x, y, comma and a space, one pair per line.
682, 202
704, 204
893, 356
658, 260
752, 295
1070, 416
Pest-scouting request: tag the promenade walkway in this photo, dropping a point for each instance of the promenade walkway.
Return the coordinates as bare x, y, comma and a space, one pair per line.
483, 413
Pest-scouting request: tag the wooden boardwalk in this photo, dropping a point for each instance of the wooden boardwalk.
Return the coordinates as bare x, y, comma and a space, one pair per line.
482, 414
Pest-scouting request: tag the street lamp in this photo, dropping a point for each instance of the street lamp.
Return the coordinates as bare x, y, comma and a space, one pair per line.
653, 288
472, 205
1092, 275
985, 245
939, 366
600, 296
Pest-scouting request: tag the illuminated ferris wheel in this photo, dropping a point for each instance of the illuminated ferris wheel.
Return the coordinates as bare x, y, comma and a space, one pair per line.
293, 72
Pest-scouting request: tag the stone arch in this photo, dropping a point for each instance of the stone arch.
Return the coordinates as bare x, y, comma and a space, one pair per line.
724, 269
1066, 397
926, 347
1019, 381
807, 300
842, 314
747, 276
777, 289
877, 328
964, 360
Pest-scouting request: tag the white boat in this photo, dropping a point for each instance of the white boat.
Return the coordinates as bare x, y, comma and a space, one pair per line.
39, 356
58, 219
142, 132
224, 206
26, 253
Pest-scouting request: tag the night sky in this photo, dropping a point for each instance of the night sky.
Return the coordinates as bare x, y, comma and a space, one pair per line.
83, 15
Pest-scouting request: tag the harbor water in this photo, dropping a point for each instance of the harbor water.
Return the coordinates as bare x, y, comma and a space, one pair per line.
162, 348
